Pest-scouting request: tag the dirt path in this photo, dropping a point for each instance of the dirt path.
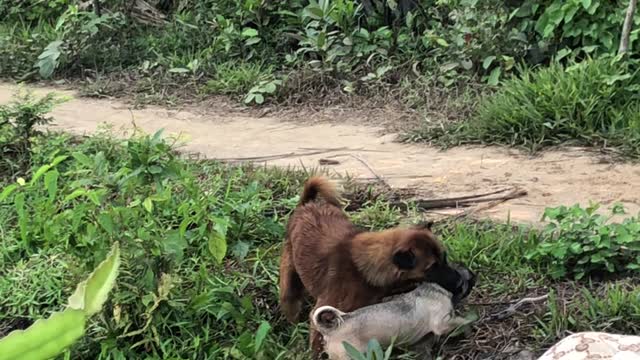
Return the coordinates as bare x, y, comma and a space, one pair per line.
556, 178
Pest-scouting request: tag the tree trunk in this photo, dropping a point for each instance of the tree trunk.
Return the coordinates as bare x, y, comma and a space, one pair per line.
626, 27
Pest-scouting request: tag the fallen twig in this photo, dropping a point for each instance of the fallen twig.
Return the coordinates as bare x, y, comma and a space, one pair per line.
279, 156
463, 201
379, 177
512, 195
511, 310
328, 162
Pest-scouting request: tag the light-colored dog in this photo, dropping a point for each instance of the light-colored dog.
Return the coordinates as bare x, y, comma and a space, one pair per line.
407, 317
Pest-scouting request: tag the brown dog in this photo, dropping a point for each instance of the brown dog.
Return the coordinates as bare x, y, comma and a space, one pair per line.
342, 266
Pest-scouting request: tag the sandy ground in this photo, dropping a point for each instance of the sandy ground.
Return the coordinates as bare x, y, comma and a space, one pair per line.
555, 178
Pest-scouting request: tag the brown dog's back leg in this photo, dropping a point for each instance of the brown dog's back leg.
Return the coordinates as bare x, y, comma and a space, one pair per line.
291, 288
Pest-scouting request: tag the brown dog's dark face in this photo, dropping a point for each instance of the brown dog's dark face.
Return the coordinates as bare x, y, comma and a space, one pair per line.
416, 252
458, 279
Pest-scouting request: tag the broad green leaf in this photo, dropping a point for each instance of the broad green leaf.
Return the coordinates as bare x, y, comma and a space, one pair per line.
352, 352
487, 61
48, 59
174, 243
442, 42
240, 249
217, 245
252, 41
313, 11
7, 191
82, 159
494, 77
249, 32
75, 194
261, 334
43, 169
562, 53
374, 348
104, 219
93, 196
46, 338
58, 160
92, 293
249, 98
270, 88
387, 353
51, 183
148, 204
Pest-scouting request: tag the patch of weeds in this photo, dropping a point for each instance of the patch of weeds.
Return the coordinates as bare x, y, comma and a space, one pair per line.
33, 285
610, 307
579, 242
485, 245
377, 215
237, 78
18, 126
593, 103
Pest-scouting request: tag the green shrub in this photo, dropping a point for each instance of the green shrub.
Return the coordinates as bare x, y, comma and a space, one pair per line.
588, 103
342, 41
18, 128
32, 10
579, 242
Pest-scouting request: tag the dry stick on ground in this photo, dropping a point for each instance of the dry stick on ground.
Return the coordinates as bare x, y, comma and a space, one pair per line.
512, 195
511, 310
462, 201
379, 177
279, 156
626, 27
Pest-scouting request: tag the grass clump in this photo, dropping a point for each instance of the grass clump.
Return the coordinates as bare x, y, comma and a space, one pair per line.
593, 103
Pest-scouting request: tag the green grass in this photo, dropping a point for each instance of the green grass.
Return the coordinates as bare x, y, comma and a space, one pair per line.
592, 103
200, 244
212, 309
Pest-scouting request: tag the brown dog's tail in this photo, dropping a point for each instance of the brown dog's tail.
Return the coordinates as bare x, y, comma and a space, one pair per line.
319, 186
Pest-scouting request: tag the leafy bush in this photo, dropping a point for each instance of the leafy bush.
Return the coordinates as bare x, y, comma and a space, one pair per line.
579, 242
32, 10
575, 28
357, 45
18, 122
588, 103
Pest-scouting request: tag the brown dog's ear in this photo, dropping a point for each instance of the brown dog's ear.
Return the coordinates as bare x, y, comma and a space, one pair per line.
404, 259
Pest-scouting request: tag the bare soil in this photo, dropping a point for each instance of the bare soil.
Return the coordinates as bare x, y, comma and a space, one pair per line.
222, 131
